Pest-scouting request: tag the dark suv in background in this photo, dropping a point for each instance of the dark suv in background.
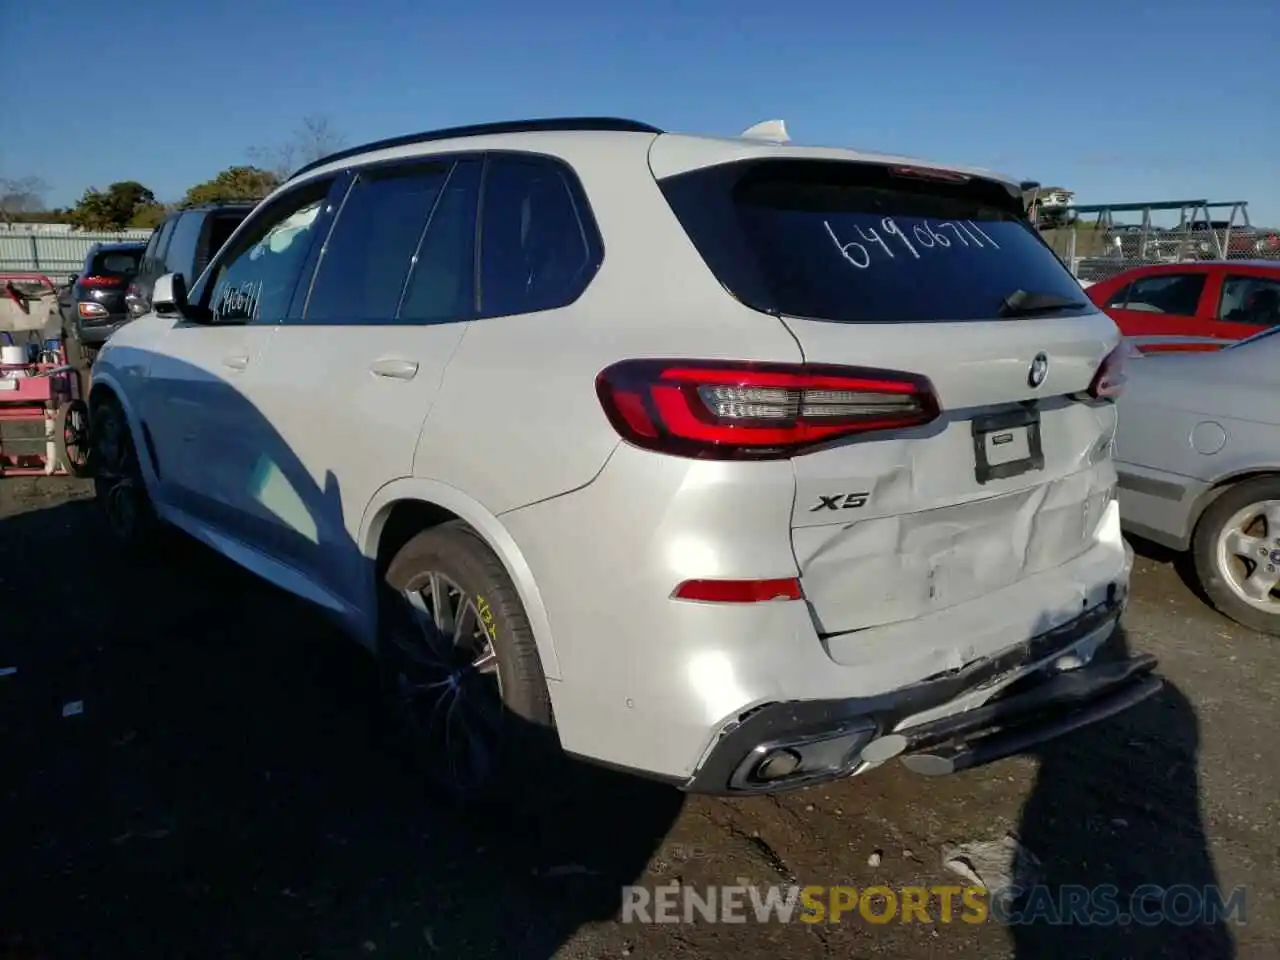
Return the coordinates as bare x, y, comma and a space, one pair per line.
94, 305
184, 244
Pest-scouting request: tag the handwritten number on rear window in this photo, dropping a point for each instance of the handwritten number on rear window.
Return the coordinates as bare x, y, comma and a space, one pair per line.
940, 235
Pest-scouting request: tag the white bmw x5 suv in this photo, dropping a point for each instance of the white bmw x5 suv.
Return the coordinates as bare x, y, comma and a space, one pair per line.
735, 463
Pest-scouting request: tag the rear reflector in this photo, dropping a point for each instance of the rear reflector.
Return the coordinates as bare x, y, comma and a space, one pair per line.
740, 410
91, 310
97, 281
738, 591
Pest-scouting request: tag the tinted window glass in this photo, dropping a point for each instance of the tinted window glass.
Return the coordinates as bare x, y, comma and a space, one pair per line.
1177, 293
257, 277
371, 247
534, 253
116, 263
162, 245
153, 244
221, 226
442, 284
1118, 298
859, 243
181, 255
1250, 300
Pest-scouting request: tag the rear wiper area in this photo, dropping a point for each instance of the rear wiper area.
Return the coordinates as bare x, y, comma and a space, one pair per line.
1022, 303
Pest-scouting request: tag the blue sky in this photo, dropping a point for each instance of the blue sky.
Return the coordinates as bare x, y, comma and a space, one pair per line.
1116, 99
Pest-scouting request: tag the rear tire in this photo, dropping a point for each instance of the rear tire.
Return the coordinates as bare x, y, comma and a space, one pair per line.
461, 669
1236, 549
118, 483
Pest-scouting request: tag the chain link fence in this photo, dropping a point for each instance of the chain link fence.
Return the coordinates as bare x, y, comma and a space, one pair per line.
1098, 242
55, 250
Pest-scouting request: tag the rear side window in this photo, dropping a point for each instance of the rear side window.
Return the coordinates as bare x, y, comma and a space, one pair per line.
159, 244
536, 253
181, 255
1176, 293
858, 243
441, 286
1118, 298
371, 247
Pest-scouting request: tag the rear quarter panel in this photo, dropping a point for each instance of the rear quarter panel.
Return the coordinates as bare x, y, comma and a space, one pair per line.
517, 419
1189, 426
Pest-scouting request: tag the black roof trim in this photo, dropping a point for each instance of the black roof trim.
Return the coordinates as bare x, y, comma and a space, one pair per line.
106, 246
487, 129
238, 204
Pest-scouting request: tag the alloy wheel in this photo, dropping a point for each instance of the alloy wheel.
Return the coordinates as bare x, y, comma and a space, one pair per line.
446, 681
1248, 554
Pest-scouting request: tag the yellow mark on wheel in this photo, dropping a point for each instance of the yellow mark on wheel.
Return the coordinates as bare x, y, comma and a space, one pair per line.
486, 617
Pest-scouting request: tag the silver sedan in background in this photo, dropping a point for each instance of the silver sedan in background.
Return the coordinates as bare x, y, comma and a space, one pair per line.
1198, 453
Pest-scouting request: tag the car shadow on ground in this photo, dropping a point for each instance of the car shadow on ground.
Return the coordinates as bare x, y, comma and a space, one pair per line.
1181, 562
1127, 819
222, 785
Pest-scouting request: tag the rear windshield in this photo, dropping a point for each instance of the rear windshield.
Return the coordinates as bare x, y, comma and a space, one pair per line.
857, 243
118, 263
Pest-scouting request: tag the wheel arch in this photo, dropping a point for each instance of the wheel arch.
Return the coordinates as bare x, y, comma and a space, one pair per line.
407, 506
103, 387
1220, 486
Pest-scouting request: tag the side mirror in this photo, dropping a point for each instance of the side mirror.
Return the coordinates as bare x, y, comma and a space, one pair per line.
169, 296
71, 280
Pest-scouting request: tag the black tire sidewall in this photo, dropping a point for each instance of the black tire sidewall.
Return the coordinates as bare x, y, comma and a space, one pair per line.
1204, 549
141, 534
60, 428
456, 552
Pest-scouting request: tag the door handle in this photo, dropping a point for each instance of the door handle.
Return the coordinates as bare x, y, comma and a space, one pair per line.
395, 369
236, 361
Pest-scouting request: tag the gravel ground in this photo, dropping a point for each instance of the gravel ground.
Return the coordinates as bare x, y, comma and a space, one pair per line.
226, 792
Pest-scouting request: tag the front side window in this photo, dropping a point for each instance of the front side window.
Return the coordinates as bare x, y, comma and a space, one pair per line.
1250, 300
1175, 293
535, 252
371, 248
255, 280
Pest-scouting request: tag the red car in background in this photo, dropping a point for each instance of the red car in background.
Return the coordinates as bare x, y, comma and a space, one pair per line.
1196, 305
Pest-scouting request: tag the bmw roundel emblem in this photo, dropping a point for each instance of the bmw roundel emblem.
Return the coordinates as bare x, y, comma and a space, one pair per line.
1039, 370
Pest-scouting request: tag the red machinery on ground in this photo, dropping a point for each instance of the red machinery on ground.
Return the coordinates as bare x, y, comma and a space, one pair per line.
43, 417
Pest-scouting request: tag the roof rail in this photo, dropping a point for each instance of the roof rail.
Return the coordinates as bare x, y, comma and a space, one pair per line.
487, 129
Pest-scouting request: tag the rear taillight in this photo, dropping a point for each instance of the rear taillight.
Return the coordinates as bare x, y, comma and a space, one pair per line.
97, 281
1108, 382
750, 411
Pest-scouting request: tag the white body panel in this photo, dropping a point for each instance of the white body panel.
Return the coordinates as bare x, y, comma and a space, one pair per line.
291, 461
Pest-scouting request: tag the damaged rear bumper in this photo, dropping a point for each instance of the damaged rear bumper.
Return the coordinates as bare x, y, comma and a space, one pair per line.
783, 746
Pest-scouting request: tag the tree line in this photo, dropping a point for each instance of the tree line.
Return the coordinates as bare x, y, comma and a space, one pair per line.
128, 204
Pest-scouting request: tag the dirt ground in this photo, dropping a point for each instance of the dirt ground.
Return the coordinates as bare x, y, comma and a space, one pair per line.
226, 792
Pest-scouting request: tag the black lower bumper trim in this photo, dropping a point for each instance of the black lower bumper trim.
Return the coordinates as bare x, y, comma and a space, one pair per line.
1031, 699
1043, 713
